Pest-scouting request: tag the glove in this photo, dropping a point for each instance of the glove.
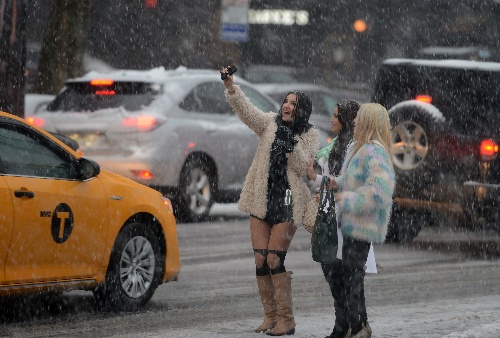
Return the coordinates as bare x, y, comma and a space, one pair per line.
285, 138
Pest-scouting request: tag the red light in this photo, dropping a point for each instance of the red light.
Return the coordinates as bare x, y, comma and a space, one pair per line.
105, 92
101, 82
35, 121
150, 3
143, 174
191, 145
488, 148
143, 122
424, 98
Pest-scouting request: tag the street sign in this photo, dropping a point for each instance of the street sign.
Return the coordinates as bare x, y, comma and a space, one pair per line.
234, 20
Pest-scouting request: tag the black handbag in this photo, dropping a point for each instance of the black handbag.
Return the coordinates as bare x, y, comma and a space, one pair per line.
324, 239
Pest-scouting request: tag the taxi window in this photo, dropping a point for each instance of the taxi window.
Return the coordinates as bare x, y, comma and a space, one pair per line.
25, 153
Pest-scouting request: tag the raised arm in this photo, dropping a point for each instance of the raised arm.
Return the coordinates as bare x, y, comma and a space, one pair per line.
253, 117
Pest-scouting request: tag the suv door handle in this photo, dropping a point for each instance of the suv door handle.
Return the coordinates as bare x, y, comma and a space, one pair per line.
20, 194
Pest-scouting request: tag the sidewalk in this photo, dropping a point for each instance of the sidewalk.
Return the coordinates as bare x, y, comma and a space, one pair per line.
477, 243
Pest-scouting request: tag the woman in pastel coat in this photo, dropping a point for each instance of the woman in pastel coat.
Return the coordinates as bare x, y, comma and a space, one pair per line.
364, 203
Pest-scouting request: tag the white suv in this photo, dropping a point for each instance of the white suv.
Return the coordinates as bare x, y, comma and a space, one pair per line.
169, 129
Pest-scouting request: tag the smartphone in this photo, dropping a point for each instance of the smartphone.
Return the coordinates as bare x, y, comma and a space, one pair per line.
231, 70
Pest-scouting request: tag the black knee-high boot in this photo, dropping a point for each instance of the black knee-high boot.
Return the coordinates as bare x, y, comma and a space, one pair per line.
333, 275
354, 255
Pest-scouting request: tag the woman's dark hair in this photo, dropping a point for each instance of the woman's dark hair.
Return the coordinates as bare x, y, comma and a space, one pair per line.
303, 112
347, 111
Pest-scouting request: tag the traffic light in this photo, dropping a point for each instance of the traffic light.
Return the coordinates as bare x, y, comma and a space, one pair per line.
150, 3
360, 25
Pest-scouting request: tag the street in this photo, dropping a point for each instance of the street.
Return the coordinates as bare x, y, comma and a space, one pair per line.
418, 291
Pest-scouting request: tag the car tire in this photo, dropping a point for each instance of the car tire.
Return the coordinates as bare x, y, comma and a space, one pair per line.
197, 187
134, 272
405, 224
413, 133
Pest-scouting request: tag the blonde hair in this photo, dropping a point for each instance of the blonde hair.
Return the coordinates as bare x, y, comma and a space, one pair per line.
372, 123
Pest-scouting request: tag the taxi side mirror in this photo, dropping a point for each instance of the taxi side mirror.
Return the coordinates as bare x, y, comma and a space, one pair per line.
88, 168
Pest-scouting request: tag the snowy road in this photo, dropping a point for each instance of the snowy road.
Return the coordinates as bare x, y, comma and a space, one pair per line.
418, 292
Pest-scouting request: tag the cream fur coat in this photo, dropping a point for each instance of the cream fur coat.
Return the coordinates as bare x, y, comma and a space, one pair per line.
253, 198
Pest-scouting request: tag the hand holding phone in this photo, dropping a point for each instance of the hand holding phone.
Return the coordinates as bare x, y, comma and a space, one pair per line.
230, 70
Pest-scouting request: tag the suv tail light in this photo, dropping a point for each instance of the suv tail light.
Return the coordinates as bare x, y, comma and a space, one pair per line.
488, 150
142, 122
424, 98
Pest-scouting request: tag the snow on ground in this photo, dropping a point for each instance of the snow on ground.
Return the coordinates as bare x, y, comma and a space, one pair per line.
462, 318
473, 318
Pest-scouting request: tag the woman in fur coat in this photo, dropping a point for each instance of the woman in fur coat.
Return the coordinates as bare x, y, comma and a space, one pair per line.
275, 195
364, 205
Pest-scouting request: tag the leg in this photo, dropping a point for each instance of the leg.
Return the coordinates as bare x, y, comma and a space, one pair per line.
279, 242
354, 255
333, 275
260, 232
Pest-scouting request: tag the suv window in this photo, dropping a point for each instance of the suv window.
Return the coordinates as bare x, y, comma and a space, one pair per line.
25, 153
207, 98
468, 98
82, 96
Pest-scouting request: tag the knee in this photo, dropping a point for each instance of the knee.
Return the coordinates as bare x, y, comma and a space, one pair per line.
276, 261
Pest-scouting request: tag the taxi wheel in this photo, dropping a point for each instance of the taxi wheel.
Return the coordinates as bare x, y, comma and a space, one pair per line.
134, 270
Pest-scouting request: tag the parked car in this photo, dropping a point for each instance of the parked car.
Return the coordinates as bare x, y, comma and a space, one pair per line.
66, 225
279, 74
172, 130
324, 99
445, 117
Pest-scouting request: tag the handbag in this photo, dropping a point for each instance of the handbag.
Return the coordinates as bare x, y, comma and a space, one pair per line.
324, 240
310, 213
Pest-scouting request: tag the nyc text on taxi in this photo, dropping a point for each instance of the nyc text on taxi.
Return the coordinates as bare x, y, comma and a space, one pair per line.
65, 224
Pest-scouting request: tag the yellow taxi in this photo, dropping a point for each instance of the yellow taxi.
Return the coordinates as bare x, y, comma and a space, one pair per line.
65, 224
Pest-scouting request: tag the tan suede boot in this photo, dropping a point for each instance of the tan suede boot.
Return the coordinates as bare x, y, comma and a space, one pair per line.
266, 292
283, 292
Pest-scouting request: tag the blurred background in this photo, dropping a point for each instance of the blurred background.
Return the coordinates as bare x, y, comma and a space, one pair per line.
334, 43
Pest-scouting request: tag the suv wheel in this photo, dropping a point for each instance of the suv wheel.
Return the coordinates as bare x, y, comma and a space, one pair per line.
197, 191
413, 131
134, 272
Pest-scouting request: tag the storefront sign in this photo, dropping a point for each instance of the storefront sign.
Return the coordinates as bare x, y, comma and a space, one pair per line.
234, 20
278, 17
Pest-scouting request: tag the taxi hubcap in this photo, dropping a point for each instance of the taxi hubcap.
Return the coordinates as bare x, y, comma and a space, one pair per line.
137, 267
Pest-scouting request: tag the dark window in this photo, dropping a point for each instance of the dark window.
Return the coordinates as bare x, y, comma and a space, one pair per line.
82, 96
207, 98
24, 152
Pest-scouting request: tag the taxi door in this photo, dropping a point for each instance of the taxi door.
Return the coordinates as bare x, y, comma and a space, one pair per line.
60, 222
60, 229
6, 222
